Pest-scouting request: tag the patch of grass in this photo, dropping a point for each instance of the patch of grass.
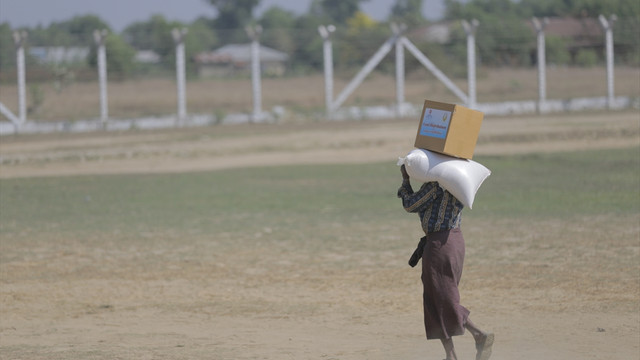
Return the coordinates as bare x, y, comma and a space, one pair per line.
311, 200
561, 185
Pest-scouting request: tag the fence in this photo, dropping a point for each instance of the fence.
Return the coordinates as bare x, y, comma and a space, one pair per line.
334, 106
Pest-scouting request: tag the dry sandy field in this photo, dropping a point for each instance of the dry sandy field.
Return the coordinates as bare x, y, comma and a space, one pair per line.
205, 299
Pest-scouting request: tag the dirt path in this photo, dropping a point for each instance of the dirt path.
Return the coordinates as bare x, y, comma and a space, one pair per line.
242, 146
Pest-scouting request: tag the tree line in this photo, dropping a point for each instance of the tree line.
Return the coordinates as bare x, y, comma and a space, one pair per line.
502, 38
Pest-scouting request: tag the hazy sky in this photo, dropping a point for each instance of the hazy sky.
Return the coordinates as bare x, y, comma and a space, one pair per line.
120, 13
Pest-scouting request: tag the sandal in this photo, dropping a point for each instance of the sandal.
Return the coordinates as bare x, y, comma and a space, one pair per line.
484, 347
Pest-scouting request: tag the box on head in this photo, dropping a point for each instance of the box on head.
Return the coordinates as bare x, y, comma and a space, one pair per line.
448, 129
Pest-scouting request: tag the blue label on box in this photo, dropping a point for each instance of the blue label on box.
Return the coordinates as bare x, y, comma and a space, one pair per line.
435, 123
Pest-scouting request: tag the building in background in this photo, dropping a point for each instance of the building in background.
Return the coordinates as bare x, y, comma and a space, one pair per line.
233, 59
58, 55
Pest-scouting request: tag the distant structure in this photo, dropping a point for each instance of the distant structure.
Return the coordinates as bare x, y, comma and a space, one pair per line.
236, 58
147, 57
58, 55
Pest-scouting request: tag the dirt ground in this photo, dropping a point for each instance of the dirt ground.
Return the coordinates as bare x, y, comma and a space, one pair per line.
293, 306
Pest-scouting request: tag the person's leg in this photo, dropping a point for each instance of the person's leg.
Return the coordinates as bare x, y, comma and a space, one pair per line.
484, 341
449, 349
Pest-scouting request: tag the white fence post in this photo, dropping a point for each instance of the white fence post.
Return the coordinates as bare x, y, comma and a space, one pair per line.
400, 73
607, 25
178, 38
470, 29
327, 52
100, 38
254, 35
19, 39
542, 81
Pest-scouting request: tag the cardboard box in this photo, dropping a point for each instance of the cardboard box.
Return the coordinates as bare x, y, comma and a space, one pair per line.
448, 129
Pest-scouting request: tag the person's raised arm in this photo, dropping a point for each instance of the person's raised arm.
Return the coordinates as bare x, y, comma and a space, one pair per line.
415, 201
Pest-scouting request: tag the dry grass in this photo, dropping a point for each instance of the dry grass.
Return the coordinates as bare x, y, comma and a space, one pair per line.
157, 97
309, 262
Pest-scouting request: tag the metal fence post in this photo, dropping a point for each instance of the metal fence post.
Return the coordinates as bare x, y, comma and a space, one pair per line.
19, 39
254, 35
542, 82
100, 38
400, 73
327, 52
607, 25
178, 38
470, 30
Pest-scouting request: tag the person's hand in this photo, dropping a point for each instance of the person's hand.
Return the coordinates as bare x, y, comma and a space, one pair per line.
405, 175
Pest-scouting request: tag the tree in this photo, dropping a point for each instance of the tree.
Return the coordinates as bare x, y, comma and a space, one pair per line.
7, 48
278, 31
308, 43
154, 34
200, 38
408, 12
75, 32
590, 8
362, 36
502, 36
119, 56
456, 10
233, 14
336, 11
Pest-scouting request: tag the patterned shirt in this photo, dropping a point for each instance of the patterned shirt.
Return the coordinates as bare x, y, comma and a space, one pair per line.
437, 208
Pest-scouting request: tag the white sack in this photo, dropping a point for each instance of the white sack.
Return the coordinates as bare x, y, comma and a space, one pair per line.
461, 177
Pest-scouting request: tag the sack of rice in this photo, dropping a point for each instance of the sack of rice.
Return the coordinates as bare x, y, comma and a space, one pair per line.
461, 177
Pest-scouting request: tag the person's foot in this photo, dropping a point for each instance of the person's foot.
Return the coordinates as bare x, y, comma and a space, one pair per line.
484, 344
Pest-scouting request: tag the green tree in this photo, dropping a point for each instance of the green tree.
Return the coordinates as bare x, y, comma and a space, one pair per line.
278, 25
456, 10
335, 11
408, 12
154, 34
201, 37
233, 16
78, 31
308, 43
119, 56
556, 50
359, 40
233, 13
499, 40
7, 49
590, 8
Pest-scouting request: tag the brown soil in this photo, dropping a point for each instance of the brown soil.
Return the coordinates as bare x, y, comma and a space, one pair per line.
197, 304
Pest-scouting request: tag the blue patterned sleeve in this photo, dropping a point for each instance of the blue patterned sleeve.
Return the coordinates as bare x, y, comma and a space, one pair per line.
416, 201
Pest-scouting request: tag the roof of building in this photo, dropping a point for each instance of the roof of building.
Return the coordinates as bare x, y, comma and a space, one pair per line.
240, 53
59, 54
